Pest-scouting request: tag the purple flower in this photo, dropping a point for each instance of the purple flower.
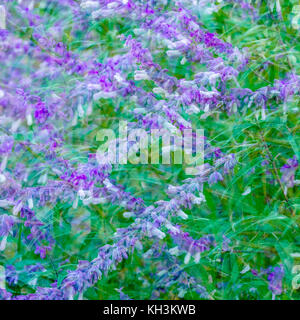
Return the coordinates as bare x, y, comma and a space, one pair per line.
288, 171
11, 275
230, 163
42, 251
226, 243
288, 87
41, 113
6, 144
5, 295
189, 245
215, 177
275, 276
34, 268
254, 272
123, 296
6, 224
265, 162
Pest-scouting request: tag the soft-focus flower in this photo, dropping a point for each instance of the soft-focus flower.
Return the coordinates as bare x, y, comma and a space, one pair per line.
215, 177
288, 171
275, 276
41, 113
6, 224
6, 144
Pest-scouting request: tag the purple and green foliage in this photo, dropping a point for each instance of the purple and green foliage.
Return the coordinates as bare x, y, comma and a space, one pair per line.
74, 228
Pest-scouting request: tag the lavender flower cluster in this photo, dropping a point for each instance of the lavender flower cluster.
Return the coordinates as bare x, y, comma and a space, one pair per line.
49, 90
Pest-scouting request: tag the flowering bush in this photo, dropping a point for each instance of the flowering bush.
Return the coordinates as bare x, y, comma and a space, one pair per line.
74, 227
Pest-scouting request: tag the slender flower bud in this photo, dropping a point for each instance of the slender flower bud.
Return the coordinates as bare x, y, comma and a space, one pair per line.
187, 258
182, 215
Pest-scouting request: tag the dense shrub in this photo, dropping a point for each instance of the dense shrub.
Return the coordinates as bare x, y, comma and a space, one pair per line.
72, 227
